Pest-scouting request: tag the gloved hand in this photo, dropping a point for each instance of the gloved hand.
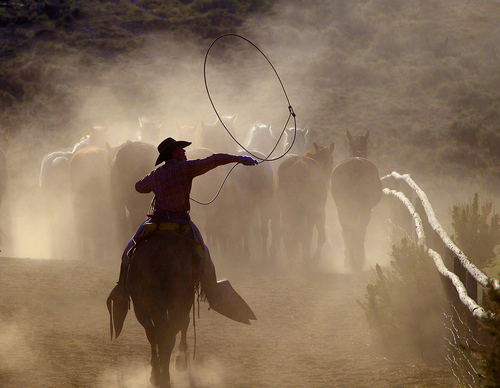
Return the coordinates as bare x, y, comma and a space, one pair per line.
247, 161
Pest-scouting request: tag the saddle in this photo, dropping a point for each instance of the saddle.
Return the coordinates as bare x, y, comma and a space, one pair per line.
164, 226
152, 228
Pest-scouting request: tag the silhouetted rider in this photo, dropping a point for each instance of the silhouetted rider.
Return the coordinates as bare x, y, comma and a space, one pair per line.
171, 184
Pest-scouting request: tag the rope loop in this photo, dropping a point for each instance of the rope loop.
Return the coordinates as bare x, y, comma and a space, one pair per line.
290, 110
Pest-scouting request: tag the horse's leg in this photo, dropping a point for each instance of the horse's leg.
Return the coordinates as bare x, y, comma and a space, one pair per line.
289, 238
364, 220
347, 254
155, 377
275, 223
166, 343
305, 236
265, 218
241, 234
348, 229
145, 320
320, 226
181, 360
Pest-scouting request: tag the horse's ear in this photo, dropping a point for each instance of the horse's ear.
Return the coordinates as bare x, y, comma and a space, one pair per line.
316, 147
233, 118
332, 147
367, 135
160, 123
349, 136
108, 147
140, 122
305, 130
91, 129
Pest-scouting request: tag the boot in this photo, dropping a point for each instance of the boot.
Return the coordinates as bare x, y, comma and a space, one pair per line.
120, 292
118, 302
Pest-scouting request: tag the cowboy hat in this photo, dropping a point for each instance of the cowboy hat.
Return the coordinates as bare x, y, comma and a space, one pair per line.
167, 146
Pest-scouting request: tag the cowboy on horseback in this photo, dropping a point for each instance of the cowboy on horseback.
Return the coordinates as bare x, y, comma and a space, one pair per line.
171, 184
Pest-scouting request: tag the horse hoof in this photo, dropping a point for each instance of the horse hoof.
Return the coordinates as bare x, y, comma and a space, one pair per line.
181, 363
154, 380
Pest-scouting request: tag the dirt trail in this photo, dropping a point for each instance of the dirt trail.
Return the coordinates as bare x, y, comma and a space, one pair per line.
54, 332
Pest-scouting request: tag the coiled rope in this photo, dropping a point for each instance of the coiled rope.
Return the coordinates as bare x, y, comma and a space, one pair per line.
291, 114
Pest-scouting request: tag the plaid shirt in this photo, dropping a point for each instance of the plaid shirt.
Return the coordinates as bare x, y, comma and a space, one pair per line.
171, 182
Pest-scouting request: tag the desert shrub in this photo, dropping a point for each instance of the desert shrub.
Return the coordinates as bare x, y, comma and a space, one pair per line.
388, 45
465, 97
462, 159
490, 140
465, 131
404, 307
22, 11
489, 355
426, 138
6, 99
492, 114
388, 6
476, 231
433, 77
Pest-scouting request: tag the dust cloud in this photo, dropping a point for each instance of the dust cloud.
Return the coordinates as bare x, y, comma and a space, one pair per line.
164, 80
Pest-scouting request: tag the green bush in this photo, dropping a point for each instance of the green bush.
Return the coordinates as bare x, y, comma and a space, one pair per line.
404, 308
477, 231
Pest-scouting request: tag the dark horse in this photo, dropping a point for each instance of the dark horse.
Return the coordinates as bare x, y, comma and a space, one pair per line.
356, 189
162, 282
302, 193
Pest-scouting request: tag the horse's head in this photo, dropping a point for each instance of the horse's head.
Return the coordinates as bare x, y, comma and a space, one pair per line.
261, 138
298, 137
218, 126
215, 137
324, 156
98, 136
186, 133
358, 145
150, 130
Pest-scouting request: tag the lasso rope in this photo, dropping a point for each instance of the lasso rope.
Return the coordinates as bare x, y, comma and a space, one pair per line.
291, 114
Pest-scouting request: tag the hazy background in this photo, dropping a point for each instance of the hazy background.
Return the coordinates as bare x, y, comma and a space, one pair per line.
377, 65
358, 66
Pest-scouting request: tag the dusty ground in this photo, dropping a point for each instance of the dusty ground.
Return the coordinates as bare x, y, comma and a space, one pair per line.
54, 332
